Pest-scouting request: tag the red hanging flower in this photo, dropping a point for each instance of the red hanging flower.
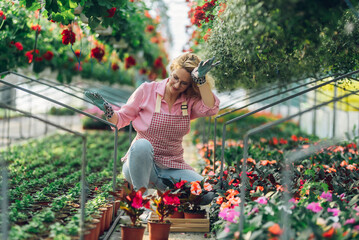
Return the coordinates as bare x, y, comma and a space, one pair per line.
150, 28
48, 55
36, 27
97, 53
38, 59
111, 12
30, 56
2, 15
115, 66
164, 73
68, 36
208, 33
18, 45
143, 71
78, 67
130, 61
158, 63
77, 53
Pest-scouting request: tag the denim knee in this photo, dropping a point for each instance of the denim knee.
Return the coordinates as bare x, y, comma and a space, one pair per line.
141, 147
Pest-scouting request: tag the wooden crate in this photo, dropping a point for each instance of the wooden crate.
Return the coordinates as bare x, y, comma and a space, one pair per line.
186, 225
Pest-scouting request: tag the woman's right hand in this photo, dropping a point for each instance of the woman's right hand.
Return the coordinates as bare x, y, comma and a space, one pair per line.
101, 103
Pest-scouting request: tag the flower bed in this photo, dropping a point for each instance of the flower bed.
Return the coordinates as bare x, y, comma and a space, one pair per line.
324, 193
44, 183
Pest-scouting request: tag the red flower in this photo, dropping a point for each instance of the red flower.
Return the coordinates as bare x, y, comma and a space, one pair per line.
282, 141
180, 184
329, 233
38, 59
137, 200
150, 28
48, 55
115, 66
111, 12
2, 15
143, 71
129, 61
30, 56
164, 73
36, 27
158, 63
78, 67
208, 33
77, 53
68, 36
18, 45
294, 138
97, 53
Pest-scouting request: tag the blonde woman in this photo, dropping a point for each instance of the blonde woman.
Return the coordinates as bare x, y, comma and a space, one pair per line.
160, 113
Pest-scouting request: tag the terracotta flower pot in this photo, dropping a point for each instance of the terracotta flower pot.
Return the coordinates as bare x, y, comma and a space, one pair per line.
132, 232
109, 216
97, 223
177, 215
158, 230
103, 219
192, 215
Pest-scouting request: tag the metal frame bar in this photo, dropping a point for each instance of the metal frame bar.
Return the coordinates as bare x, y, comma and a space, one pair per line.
270, 105
245, 156
84, 146
260, 100
4, 205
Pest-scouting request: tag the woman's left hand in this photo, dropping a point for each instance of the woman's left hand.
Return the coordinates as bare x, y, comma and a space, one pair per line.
205, 67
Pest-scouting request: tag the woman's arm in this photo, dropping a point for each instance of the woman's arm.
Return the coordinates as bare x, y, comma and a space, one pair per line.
207, 95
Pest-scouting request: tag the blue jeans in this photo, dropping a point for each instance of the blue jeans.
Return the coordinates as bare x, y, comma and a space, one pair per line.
141, 171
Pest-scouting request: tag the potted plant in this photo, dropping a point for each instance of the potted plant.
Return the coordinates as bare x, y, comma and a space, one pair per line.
134, 204
191, 196
165, 204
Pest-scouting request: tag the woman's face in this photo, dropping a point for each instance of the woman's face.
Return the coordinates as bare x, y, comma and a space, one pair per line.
179, 81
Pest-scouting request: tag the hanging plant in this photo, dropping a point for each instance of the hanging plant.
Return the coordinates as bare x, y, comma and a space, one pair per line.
97, 53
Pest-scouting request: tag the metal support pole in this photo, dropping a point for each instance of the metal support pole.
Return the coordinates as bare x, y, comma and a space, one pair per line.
83, 188
5, 201
114, 169
260, 129
314, 122
334, 111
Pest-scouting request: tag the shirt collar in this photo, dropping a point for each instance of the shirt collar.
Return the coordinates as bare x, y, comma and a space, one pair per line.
162, 87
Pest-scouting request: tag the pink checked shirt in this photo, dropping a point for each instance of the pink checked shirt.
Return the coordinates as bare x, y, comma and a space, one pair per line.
141, 106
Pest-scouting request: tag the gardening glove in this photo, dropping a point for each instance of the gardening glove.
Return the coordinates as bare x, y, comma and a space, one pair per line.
101, 103
198, 74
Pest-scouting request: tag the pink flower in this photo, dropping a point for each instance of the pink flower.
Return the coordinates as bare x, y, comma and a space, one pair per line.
350, 221
254, 210
327, 196
262, 200
208, 187
356, 227
137, 201
315, 207
335, 211
229, 215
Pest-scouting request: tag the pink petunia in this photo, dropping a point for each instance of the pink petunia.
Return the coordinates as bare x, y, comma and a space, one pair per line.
254, 210
229, 215
262, 200
335, 211
327, 196
314, 207
356, 227
350, 221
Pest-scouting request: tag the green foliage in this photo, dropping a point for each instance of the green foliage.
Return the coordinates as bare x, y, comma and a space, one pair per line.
279, 41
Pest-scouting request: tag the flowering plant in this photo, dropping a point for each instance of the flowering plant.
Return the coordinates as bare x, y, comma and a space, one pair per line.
191, 193
165, 204
133, 202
